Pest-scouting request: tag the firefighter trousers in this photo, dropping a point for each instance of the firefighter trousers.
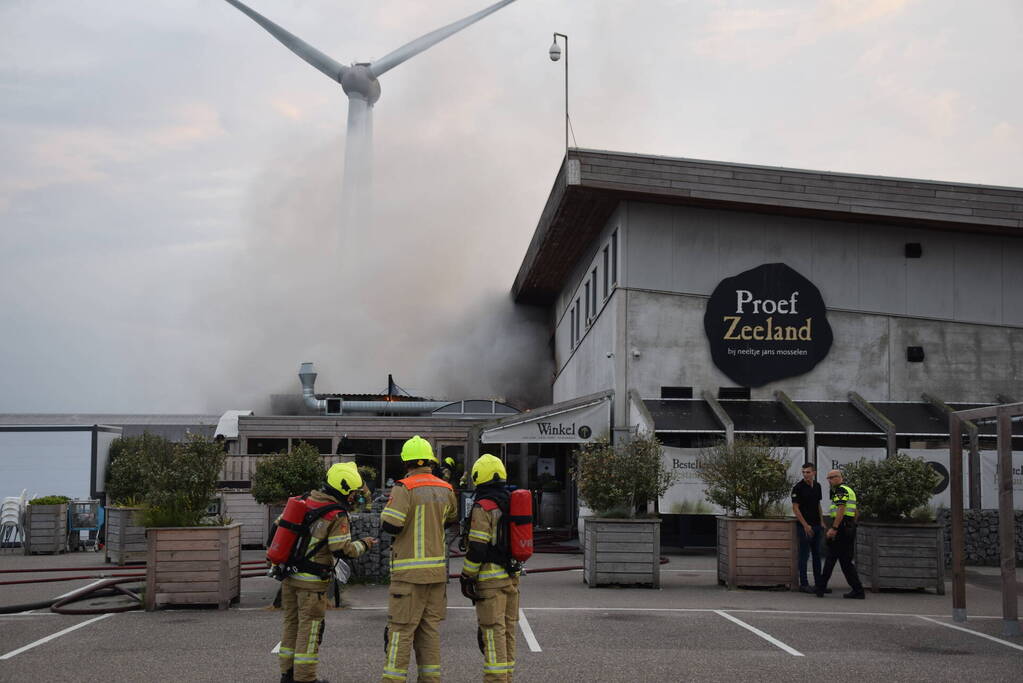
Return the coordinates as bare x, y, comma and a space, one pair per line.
414, 613
497, 611
303, 630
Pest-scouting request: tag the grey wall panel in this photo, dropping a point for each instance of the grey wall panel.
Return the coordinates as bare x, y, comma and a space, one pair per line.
740, 244
589, 369
836, 265
978, 280
790, 242
696, 243
649, 256
1012, 282
929, 281
882, 276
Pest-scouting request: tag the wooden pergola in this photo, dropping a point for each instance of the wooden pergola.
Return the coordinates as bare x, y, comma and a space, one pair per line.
1006, 517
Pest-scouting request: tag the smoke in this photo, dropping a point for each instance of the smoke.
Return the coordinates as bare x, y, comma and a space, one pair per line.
421, 291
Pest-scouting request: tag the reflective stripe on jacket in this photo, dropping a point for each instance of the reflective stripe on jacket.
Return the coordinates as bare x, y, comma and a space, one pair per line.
420, 505
843, 495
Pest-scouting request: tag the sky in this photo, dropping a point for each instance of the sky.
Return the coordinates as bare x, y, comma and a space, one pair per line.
170, 176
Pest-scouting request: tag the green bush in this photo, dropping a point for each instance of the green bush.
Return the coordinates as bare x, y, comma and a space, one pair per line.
128, 471
891, 490
182, 481
614, 479
746, 478
283, 475
49, 500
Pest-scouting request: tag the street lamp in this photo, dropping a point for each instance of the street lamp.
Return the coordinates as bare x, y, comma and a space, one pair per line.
555, 54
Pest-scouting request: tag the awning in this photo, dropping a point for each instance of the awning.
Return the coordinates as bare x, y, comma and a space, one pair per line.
577, 421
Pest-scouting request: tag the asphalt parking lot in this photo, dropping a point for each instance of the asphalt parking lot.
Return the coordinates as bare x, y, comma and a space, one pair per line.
690, 629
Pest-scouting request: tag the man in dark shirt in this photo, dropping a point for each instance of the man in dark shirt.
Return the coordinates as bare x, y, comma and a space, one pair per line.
806, 505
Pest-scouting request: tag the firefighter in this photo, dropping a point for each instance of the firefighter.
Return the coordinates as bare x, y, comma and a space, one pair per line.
419, 508
304, 593
489, 578
449, 471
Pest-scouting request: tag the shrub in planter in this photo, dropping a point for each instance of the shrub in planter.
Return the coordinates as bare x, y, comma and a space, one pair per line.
894, 548
130, 462
614, 480
181, 482
749, 479
283, 475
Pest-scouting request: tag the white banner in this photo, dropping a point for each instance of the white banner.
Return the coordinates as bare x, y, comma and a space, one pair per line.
836, 458
989, 479
572, 425
688, 495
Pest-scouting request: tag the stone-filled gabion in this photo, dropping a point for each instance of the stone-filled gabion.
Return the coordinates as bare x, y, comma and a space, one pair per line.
981, 537
375, 564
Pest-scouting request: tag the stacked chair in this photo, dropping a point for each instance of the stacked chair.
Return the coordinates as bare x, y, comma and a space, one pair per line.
12, 521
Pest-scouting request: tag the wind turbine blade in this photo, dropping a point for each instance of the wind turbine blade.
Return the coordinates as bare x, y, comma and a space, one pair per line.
409, 50
325, 64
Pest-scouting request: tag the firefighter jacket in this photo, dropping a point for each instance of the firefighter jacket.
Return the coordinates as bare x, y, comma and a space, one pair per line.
484, 536
334, 527
419, 508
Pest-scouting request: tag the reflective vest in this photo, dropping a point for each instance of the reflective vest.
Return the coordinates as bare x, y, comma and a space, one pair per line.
843, 495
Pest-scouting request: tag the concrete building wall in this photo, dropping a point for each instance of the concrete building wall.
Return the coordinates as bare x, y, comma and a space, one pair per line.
857, 266
964, 362
588, 369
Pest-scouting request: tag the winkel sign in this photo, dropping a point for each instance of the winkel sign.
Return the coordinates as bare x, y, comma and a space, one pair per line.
766, 324
572, 425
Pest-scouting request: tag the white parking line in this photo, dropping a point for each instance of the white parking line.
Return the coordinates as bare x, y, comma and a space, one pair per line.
975, 633
527, 631
769, 638
53, 636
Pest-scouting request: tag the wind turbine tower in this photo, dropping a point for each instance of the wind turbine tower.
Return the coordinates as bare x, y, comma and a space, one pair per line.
359, 81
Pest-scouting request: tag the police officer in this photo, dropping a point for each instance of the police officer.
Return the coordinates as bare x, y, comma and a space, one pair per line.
841, 538
304, 593
419, 508
489, 578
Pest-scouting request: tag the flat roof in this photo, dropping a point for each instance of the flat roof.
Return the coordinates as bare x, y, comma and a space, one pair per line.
591, 183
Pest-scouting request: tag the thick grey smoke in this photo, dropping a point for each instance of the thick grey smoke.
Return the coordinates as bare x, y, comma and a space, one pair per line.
421, 293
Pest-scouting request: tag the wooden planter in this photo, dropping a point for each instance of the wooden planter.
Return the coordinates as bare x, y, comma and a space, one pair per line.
241, 507
757, 552
126, 537
193, 566
901, 556
621, 551
46, 529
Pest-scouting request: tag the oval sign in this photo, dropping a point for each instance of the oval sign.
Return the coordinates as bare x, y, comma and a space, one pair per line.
766, 324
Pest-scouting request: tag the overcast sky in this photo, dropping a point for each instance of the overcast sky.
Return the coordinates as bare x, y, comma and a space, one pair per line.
169, 171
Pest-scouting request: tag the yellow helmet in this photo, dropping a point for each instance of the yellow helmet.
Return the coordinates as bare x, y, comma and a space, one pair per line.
417, 448
449, 461
487, 469
345, 477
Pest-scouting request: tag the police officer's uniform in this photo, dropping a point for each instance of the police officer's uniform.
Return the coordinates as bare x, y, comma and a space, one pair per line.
842, 547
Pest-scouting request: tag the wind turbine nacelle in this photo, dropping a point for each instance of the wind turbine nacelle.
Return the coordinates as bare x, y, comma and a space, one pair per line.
359, 81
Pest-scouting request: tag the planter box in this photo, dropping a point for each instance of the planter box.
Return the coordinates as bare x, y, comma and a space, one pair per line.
757, 552
622, 551
46, 528
193, 566
241, 507
126, 537
901, 556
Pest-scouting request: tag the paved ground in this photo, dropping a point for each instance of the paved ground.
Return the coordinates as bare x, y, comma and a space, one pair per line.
690, 629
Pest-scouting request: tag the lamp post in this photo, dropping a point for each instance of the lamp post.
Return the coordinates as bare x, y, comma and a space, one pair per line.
555, 54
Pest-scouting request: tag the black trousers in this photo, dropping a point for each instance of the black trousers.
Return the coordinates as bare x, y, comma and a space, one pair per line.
841, 549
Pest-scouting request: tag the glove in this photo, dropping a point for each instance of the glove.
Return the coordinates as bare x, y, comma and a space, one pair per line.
470, 589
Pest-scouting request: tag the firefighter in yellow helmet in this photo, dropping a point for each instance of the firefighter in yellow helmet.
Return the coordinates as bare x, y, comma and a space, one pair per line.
489, 578
304, 593
419, 508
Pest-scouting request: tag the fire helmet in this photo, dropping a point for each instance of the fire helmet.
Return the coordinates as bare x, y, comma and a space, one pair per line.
488, 469
344, 477
417, 448
450, 462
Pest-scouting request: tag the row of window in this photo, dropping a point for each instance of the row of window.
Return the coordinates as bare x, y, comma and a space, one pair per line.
596, 289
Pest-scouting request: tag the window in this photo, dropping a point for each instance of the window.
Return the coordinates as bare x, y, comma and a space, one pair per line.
578, 310
322, 446
606, 273
265, 446
589, 311
571, 327
593, 290
614, 257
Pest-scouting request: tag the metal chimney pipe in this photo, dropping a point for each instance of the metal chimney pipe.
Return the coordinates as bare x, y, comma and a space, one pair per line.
307, 376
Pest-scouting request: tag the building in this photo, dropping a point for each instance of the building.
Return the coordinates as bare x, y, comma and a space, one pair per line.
703, 299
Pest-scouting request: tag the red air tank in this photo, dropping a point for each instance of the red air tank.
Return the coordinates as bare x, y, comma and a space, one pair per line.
520, 524
284, 539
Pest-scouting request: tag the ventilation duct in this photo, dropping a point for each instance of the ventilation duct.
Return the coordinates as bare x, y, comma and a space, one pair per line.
336, 406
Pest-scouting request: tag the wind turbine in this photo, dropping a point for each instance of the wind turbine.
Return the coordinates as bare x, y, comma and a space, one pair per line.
359, 81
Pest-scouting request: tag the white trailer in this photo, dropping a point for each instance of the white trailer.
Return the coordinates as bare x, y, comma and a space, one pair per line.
63, 460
